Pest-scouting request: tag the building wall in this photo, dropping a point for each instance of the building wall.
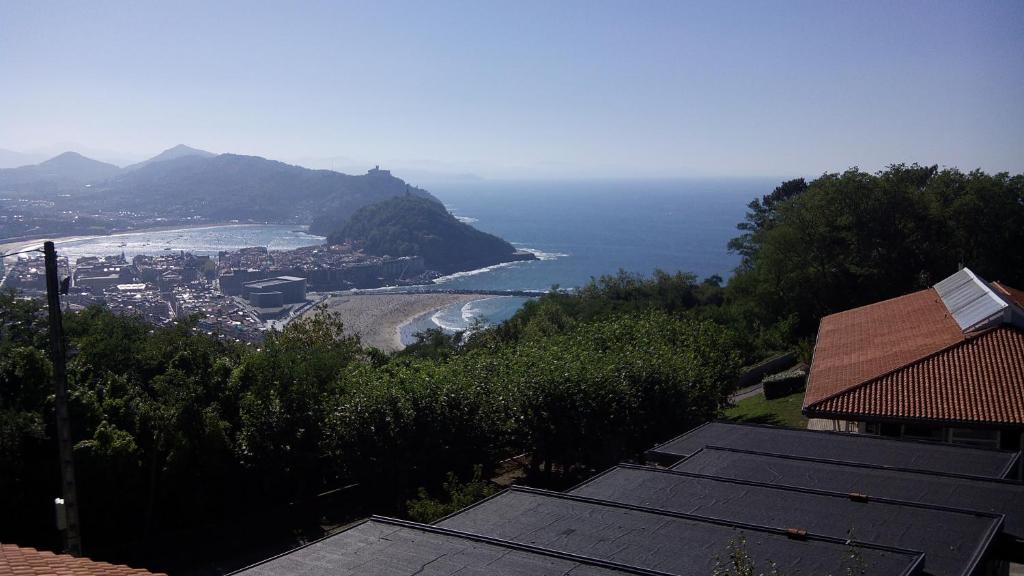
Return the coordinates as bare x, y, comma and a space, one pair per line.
1008, 438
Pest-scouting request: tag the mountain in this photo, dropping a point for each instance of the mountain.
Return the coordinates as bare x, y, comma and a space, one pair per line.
186, 184
411, 225
12, 159
235, 187
178, 151
69, 168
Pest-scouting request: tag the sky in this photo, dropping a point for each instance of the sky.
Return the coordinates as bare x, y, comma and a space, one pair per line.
522, 89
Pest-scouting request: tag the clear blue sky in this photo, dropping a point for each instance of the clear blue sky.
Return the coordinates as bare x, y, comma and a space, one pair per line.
524, 89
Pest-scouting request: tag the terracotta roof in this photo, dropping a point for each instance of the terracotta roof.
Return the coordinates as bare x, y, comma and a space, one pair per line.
1017, 296
978, 380
19, 561
862, 344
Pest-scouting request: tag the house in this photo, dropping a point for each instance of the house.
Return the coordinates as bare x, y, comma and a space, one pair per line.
944, 364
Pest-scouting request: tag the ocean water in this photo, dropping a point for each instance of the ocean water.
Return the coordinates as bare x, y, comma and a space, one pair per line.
460, 317
205, 240
578, 229
581, 230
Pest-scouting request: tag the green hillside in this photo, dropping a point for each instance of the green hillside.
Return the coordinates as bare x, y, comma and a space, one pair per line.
416, 226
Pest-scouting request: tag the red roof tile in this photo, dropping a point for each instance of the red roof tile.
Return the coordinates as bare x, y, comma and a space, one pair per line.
978, 380
862, 344
31, 562
1017, 296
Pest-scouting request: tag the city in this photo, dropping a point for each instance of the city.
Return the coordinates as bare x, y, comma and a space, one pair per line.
237, 294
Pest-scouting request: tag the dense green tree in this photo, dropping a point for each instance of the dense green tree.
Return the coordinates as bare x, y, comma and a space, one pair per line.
854, 238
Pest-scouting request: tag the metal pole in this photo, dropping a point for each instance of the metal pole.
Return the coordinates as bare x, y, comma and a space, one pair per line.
72, 535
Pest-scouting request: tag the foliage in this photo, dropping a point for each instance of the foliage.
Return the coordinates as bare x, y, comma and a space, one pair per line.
176, 430
740, 562
455, 497
414, 226
850, 239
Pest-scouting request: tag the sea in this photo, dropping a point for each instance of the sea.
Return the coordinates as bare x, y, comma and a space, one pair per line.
578, 229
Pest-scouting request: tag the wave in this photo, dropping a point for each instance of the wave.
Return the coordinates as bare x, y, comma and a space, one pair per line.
545, 255
467, 219
438, 318
467, 273
541, 255
471, 311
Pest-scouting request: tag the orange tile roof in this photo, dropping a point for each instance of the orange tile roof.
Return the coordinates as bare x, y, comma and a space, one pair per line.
862, 344
1017, 296
19, 561
978, 380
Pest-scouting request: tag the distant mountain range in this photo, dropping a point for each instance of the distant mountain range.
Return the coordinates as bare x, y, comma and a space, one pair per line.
184, 182
12, 159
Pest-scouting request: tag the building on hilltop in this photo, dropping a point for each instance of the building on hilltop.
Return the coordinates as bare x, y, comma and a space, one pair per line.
945, 364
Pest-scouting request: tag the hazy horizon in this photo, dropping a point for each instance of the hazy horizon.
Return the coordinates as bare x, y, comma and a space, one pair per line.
524, 91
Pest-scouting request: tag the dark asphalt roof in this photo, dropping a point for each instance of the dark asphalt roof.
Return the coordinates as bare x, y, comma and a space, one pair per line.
382, 546
671, 543
953, 541
989, 495
860, 448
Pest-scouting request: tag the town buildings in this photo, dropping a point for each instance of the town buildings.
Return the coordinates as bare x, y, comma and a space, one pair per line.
325, 268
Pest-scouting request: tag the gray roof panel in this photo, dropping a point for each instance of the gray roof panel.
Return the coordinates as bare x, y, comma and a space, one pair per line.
859, 448
986, 495
385, 547
953, 541
666, 542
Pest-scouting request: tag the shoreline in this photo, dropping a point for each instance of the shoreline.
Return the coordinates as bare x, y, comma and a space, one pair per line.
18, 245
378, 318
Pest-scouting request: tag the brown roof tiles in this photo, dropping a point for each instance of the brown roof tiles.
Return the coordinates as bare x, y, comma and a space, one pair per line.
19, 561
864, 343
1017, 296
978, 380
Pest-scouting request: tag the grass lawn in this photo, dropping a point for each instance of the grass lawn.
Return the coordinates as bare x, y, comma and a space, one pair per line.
783, 411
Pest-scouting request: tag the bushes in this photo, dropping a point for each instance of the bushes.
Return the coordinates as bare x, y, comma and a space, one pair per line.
177, 431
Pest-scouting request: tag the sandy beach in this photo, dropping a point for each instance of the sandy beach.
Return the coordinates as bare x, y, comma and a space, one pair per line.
377, 318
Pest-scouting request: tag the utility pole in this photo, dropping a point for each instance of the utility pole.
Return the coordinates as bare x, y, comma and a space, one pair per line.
72, 536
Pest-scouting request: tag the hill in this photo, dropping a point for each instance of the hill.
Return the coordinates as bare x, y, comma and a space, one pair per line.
178, 151
235, 187
69, 168
186, 183
411, 225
